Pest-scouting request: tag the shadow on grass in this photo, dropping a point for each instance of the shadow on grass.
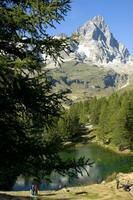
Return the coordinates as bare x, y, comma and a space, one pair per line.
40, 197
48, 194
79, 193
11, 197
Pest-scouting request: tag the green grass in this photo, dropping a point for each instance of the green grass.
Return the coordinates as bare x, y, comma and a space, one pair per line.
106, 191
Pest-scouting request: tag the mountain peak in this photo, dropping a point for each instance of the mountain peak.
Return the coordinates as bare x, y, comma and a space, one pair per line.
98, 18
96, 22
99, 22
97, 44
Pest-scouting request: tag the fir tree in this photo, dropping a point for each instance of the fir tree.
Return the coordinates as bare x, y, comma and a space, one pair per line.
28, 105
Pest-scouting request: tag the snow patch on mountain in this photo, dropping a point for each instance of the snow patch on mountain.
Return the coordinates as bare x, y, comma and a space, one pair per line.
98, 44
95, 44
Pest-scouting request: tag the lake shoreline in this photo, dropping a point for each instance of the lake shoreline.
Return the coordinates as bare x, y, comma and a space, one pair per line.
84, 192
114, 148
108, 147
86, 139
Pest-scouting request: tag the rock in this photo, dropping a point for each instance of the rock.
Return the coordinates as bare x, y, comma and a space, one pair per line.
97, 44
103, 182
125, 178
93, 43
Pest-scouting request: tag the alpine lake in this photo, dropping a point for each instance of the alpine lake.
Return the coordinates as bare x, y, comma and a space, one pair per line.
105, 163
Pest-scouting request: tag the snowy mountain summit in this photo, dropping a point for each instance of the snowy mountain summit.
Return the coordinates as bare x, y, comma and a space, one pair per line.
93, 43
96, 63
97, 44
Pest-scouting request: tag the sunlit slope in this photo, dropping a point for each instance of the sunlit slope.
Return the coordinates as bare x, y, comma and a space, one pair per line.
85, 80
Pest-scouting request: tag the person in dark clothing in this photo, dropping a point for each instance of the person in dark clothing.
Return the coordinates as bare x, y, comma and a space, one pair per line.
36, 190
33, 189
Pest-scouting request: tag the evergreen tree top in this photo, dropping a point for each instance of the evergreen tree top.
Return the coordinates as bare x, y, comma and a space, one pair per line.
24, 25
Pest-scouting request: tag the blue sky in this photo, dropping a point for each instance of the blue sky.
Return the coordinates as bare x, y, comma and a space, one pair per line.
118, 14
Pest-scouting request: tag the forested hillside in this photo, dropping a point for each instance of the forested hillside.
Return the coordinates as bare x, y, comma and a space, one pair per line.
112, 119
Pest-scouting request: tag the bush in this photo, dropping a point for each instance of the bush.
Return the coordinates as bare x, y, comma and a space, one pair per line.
112, 177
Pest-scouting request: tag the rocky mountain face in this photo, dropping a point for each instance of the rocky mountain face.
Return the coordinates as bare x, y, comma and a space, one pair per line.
96, 44
93, 43
97, 65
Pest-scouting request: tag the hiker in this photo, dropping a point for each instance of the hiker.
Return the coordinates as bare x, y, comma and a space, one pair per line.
36, 190
127, 187
32, 189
